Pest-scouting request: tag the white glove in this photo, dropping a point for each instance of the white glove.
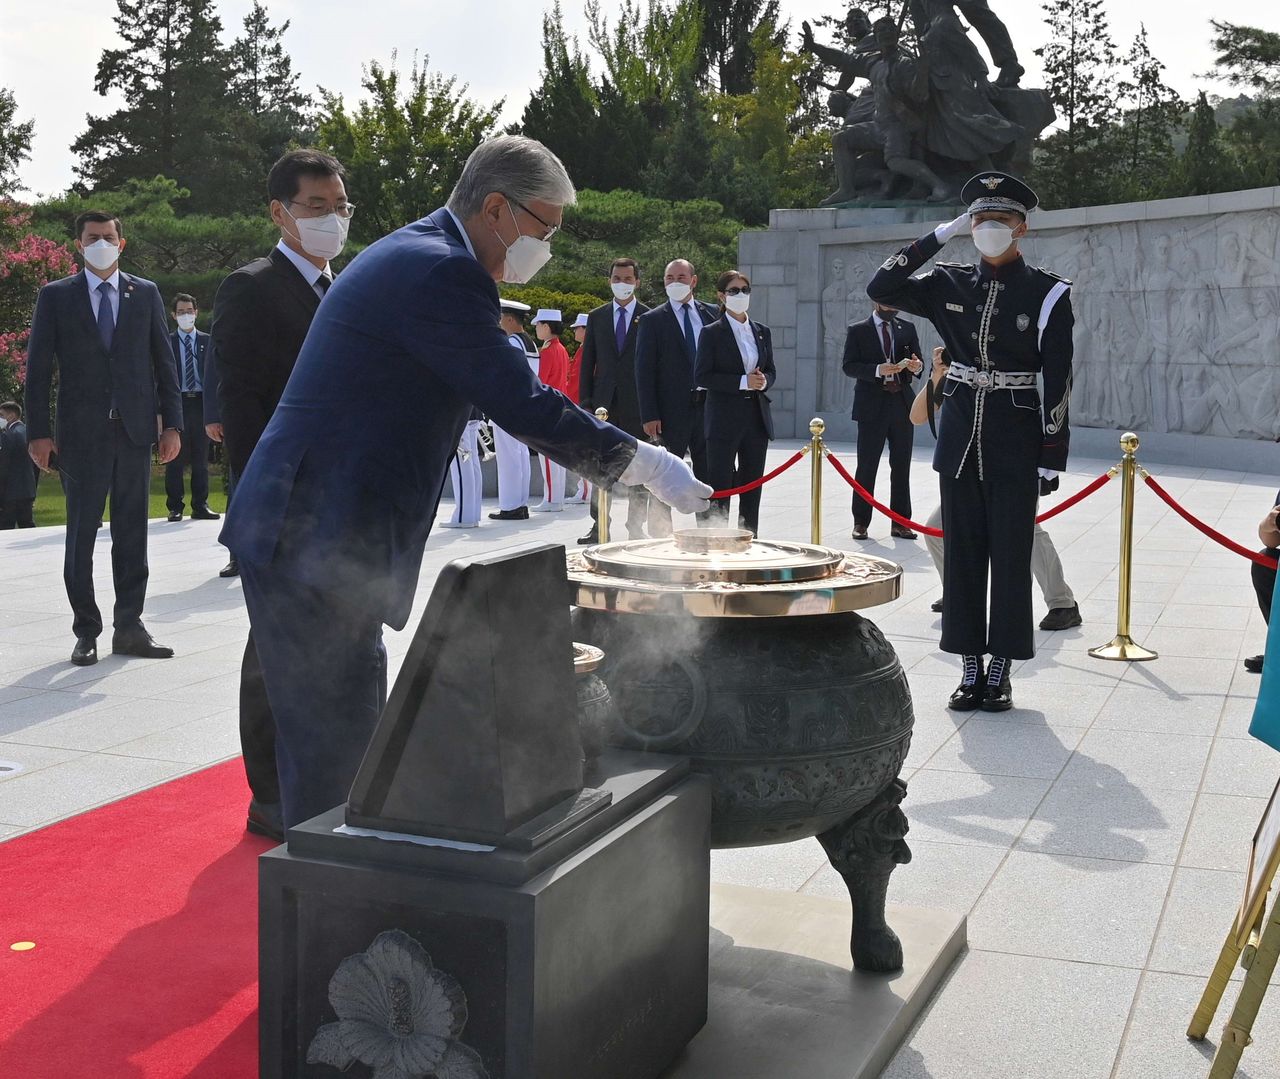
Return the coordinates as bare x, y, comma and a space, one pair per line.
1048, 473
952, 228
668, 478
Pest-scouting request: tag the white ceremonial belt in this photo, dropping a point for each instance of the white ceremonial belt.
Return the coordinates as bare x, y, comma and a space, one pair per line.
991, 380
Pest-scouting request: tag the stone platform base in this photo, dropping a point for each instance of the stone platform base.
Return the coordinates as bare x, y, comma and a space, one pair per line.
785, 1000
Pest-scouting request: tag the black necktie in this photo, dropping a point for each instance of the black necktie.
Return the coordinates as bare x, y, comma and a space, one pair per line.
690, 341
323, 282
106, 319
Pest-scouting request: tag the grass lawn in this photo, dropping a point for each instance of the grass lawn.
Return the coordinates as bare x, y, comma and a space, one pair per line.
51, 507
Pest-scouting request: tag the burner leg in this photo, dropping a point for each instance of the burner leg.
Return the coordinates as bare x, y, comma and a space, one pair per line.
865, 850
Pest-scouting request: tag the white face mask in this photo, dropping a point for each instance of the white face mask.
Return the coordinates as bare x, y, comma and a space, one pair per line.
678, 292
621, 290
992, 238
186, 323
102, 255
525, 257
322, 237
738, 304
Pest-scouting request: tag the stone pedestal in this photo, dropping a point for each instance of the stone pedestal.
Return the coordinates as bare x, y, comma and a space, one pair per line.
585, 957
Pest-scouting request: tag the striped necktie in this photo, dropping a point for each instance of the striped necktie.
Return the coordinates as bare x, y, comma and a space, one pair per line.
189, 366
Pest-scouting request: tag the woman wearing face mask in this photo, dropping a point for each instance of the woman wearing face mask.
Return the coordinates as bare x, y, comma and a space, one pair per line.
1004, 324
735, 364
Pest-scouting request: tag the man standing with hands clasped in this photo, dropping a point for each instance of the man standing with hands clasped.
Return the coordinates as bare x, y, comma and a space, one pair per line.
105, 333
1000, 447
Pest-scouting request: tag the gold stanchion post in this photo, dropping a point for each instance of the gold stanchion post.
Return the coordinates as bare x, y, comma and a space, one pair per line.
816, 427
1122, 645
602, 494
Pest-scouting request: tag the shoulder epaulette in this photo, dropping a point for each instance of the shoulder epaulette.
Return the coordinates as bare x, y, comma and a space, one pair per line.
1055, 276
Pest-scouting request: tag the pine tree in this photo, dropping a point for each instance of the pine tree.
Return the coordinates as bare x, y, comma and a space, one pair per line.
1204, 167
1074, 166
173, 74
265, 87
726, 46
15, 143
1151, 112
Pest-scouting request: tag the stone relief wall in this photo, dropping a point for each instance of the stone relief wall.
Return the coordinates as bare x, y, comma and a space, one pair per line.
1177, 316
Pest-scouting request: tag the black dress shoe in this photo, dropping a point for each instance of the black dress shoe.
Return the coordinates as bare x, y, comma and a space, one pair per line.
138, 642
936, 605
997, 698
231, 569
1062, 618
85, 653
1253, 664
901, 532
966, 698
265, 819
204, 513
176, 515
590, 538
859, 532
520, 513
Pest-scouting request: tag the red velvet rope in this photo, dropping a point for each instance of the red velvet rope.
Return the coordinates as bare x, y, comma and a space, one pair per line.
1065, 504
906, 522
1212, 533
761, 481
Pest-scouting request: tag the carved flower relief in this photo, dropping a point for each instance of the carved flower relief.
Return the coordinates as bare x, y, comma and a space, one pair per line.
397, 1014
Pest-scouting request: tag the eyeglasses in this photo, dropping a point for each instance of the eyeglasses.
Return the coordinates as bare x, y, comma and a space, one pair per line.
735, 290
345, 210
551, 229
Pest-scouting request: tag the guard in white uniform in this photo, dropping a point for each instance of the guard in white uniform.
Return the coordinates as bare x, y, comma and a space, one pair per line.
464, 475
513, 455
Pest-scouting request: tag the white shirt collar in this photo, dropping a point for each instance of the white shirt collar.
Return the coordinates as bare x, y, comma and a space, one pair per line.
629, 309
93, 280
311, 273
463, 230
881, 320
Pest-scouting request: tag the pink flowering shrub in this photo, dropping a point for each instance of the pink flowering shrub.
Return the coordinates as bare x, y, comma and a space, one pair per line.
27, 262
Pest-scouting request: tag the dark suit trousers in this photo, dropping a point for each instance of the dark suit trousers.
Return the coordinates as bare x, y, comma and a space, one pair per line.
324, 668
194, 454
90, 467
989, 528
693, 443
1264, 583
17, 513
257, 729
892, 426
734, 457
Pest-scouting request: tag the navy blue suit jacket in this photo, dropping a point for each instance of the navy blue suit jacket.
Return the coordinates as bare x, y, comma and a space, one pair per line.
139, 373
864, 352
606, 378
664, 369
202, 346
720, 370
405, 342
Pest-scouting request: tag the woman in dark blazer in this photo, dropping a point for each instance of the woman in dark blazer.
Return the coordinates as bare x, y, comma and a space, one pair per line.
735, 367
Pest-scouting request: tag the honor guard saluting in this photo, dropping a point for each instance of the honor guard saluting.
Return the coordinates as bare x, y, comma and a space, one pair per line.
1003, 322
514, 472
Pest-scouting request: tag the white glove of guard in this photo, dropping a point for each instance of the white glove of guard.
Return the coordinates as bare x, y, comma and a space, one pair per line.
668, 478
943, 233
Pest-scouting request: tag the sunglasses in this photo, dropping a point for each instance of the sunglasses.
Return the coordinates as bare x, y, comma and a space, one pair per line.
736, 290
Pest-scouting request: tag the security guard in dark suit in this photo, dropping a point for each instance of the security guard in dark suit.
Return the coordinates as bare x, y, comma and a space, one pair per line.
189, 348
883, 354
1003, 323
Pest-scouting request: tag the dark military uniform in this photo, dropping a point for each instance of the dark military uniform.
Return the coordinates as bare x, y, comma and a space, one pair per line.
1002, 325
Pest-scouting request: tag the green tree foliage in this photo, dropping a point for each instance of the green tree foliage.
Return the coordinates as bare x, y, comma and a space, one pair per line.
180, 253
264, 88
15, 143
1151, 112
404, 145
729, 45
1204, 167
1248, 56
1073, 165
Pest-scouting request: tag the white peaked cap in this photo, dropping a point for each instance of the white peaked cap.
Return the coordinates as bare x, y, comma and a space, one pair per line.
514, 305
548, 314
581, 320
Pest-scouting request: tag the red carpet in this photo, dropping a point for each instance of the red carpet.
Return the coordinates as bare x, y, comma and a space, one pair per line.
144, 916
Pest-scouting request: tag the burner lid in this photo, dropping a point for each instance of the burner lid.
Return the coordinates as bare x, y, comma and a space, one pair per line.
725, 572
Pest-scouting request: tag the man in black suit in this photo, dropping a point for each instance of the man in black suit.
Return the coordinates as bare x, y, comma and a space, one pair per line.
260, 319
671, 402
104, 332
607, 375
883, 354
189, 345
18, 474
